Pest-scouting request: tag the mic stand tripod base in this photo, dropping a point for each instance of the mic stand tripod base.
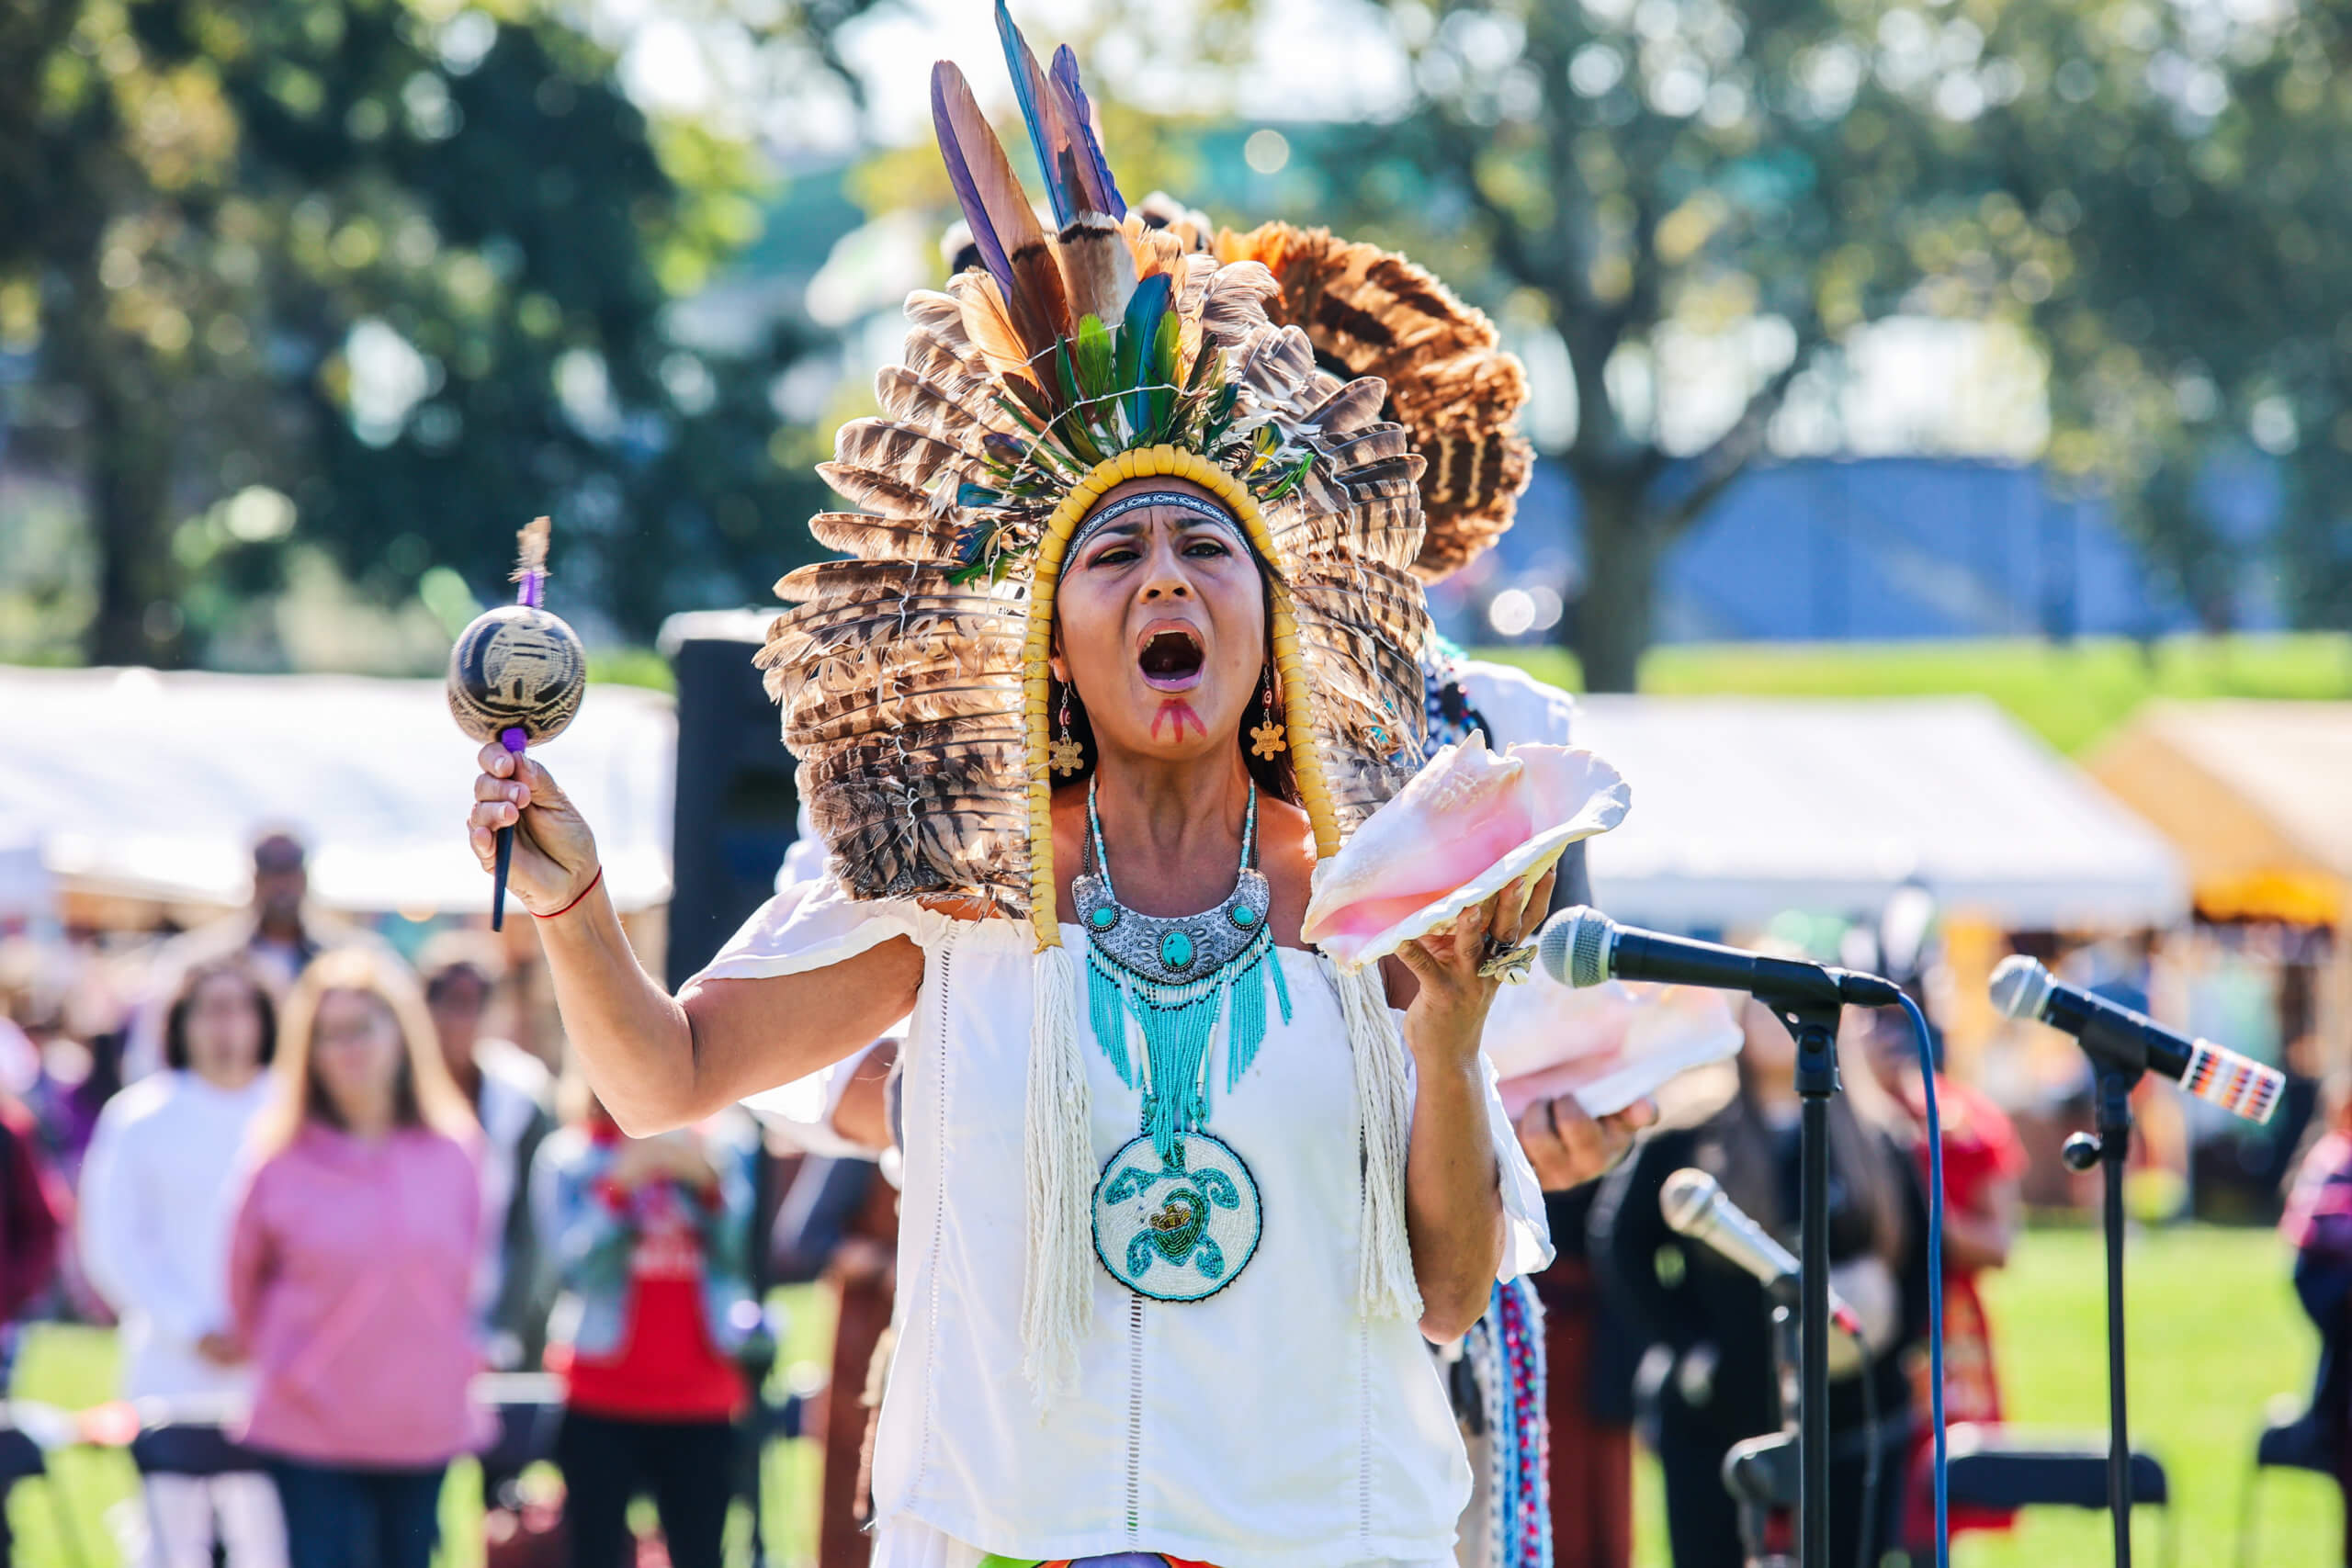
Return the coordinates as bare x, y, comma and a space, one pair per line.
2108, 1148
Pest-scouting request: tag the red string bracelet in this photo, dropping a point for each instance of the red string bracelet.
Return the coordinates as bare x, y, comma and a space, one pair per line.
575, 903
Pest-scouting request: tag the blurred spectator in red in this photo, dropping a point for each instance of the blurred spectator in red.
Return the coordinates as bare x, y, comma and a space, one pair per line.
1984, 1166
156, 1197
277, 934
651, 1239
509, 1090
32, 1210
33, 1207
350, 1265
2318, 1225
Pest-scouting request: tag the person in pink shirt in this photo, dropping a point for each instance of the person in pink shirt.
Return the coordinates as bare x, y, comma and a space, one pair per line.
350, 1264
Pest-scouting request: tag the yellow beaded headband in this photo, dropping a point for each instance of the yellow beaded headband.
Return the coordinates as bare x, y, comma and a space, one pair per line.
1170, 462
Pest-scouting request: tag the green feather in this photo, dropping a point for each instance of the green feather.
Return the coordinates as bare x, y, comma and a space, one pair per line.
1220, 415
1199, 381
1161, 400
1074, 425
1290, 481
1094, 355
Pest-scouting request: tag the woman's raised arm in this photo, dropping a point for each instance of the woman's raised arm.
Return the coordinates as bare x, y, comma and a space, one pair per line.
658, 1061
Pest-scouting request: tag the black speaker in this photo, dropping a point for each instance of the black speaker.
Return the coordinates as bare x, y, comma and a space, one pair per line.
737, 804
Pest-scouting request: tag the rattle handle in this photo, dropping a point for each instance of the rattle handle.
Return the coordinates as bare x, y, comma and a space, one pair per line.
514, 741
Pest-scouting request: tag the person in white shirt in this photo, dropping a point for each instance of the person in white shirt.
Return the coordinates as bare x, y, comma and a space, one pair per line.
155, 1207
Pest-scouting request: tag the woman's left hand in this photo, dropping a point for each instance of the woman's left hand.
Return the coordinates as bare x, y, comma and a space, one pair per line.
1449, 1007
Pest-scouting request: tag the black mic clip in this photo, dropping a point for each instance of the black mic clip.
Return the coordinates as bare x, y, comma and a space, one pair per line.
1809, 998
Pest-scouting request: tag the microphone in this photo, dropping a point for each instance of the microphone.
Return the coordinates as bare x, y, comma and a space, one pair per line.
2023, 989
1695, 1205
1583, 947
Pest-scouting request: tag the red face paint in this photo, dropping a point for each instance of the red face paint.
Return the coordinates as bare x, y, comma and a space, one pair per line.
1177, 715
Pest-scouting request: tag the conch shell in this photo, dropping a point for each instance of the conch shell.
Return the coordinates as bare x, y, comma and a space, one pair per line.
1607, 1045
1468, 825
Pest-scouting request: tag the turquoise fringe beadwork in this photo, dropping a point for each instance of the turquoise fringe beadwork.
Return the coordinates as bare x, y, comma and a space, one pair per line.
1174, 978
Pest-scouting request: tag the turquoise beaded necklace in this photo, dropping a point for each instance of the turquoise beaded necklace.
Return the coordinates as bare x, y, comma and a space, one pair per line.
1173, 975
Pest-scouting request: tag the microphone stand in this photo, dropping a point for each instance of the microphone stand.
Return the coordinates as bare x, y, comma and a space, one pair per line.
2108, 1147
1756, 1470
1810, 1015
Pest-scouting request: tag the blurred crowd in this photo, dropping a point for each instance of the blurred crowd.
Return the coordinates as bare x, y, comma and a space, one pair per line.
321, 1193
320, 1198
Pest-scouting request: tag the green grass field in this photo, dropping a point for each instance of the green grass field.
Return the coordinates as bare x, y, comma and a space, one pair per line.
2069, 694
2215, 1332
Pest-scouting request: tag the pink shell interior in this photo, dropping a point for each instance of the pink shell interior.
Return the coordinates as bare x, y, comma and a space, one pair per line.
1547, 1040
1457, 819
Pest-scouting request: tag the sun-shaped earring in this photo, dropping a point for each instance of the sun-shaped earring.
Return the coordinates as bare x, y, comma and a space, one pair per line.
1067, 755
1267, 740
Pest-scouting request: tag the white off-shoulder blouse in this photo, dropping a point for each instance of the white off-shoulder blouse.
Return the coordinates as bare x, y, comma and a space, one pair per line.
1270, 1426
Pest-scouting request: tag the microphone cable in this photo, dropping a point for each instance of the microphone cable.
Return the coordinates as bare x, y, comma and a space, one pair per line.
1935, 1270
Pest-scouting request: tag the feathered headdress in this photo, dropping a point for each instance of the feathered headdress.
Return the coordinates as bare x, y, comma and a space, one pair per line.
1451, 385
914, 676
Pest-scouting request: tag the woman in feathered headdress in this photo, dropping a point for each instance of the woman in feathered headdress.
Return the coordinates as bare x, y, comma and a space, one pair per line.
1126, 643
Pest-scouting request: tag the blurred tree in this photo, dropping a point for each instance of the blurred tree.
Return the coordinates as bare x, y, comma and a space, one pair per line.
386, 279
2189, 162
1642, 167
2155, 189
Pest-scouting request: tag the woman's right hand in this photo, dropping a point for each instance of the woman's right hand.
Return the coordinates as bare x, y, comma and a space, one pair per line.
555, 854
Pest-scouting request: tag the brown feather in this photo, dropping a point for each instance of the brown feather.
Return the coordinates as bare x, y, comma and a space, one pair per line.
927, 539
1449, 381
1350, 408
899, 452
1099, 266
864, 487
1039, 306
956, 410
990, 328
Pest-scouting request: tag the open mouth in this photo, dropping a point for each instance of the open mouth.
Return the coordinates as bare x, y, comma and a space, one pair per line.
1170, 658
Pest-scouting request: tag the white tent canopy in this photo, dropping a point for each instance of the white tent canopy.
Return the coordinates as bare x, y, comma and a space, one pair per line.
1747, 807
156, 785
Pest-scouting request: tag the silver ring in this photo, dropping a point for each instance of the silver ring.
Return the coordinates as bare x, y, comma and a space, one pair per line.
1509, 964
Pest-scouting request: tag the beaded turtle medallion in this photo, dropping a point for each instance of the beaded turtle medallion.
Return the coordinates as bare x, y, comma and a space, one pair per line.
1176, 1211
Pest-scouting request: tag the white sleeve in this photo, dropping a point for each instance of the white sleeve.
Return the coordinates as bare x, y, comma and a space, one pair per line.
804, 1108
805, 860
1527, 1240
1517, 704
124, 1265
1527, 1246
813, 924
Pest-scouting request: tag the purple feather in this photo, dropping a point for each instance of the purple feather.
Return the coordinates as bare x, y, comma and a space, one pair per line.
968, 190
1066, 77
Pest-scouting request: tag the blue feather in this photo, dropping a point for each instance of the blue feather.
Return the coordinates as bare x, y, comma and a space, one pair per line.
1082, 112
1145, 307
1030, 86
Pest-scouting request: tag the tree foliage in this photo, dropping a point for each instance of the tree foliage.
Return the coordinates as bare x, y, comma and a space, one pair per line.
406, 264
2145, 186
